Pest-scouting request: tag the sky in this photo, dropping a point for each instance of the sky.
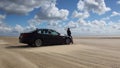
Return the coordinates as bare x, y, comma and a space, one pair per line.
84, 17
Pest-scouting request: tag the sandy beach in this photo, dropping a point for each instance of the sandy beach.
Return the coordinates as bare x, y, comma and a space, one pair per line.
84, 53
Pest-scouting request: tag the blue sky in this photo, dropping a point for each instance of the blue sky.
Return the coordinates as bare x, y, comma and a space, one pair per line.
84, 17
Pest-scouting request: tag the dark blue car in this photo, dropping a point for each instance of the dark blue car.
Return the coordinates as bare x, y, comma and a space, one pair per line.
40, 37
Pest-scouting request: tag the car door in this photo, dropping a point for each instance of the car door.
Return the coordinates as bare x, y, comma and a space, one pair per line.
46, 36
43, 35
40, 35
55, 37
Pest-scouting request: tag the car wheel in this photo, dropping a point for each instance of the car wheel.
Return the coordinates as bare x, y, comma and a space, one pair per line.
38, 42
67, 41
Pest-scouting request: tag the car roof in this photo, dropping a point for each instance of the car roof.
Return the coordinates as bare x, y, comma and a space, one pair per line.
44, 29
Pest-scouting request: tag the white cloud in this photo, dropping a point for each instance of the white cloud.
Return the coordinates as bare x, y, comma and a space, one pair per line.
34, 22
96, 27
114, 25
83, 12
51, 12
3, 26
48, 12
6, 29
114, 13
96, 6
106, 18
19, 28
84, 7
2, 17
93, 24
21, 6
82, 22
72, 24
98, 23
81, 15
118, 2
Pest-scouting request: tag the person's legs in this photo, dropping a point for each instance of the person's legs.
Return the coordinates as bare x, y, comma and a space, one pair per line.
71, 39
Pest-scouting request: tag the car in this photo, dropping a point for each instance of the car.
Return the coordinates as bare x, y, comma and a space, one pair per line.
41, 37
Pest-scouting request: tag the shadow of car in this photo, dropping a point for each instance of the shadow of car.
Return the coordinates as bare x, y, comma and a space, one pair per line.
41, 37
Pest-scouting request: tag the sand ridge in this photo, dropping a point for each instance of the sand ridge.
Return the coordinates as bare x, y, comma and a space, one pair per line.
3, 42
84, 53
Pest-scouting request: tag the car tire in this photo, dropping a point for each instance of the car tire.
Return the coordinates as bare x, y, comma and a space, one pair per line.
67, 41
38, 42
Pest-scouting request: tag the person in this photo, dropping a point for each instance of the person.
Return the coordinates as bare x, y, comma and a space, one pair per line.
69, 34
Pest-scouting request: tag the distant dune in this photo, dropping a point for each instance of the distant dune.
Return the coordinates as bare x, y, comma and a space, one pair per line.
86, 52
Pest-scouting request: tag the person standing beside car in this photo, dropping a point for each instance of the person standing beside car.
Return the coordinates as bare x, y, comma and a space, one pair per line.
69, 34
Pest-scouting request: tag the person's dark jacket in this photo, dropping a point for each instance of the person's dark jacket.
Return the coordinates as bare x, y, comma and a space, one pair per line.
68, 32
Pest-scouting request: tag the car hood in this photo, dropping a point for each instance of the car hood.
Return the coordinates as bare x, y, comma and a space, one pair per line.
64, 35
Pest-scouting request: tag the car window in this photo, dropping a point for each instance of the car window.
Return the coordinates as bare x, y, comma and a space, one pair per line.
48, 32
52, 32
39, 32
43, 32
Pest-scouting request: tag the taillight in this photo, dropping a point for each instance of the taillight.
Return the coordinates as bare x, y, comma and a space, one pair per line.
24, 35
